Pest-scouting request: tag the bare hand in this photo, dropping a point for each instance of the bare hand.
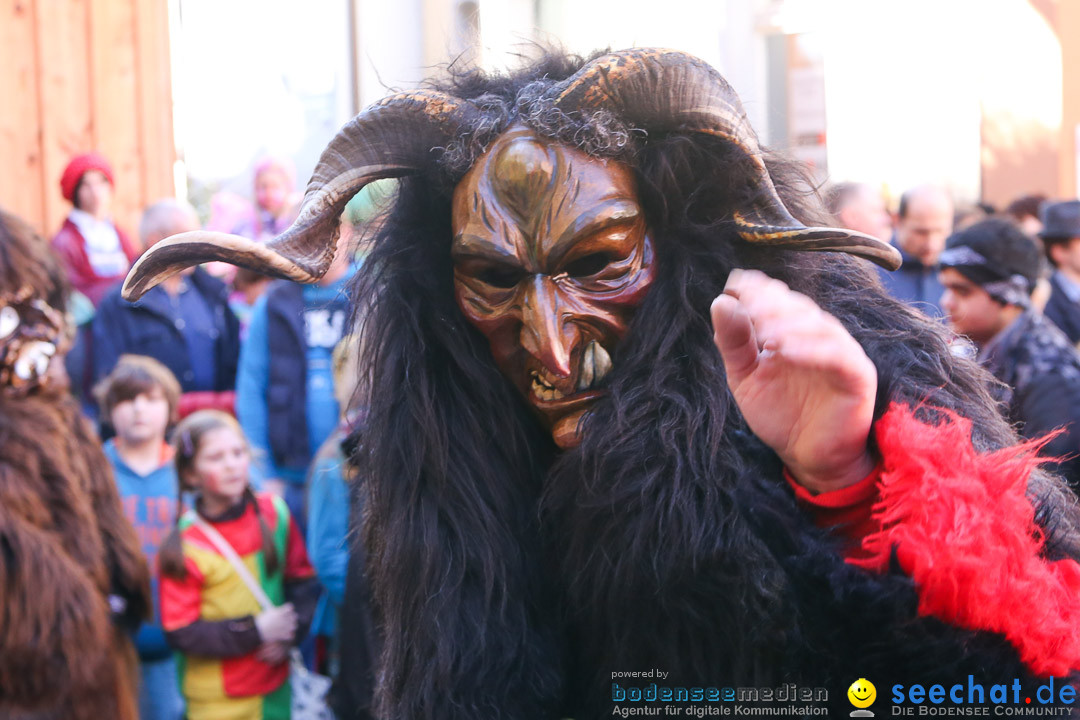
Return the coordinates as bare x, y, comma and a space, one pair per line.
804, 385
273, 653
278, 624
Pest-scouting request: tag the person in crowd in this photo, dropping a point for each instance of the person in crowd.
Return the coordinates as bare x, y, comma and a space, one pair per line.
328, 502
1060, 235
185, 323
79, 361
989, 272
235, 653
246, 288
284, 386
574, 466
924, 221
1025, 211
859, 207
73, 581
335, 503
140, 397
967, 214
95, 252
275, 200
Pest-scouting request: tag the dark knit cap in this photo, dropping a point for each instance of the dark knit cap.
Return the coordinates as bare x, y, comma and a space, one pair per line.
997, 256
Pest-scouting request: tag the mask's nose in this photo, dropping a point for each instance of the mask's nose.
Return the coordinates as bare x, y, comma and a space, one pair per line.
545, 334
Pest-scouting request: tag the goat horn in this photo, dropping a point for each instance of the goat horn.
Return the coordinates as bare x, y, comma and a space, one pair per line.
670, 91
392, 138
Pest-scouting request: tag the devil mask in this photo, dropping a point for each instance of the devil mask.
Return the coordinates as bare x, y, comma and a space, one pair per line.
550, 246
550, 257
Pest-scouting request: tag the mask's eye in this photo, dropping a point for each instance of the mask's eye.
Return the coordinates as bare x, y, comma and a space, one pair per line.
501, 276
588, 265
9, 320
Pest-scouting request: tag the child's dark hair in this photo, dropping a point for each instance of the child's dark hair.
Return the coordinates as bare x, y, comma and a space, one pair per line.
132, 376
186, 441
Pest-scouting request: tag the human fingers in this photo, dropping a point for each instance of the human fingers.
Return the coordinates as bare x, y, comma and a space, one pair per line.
277, 623
733, 334
821, 344
769, 300
780, 315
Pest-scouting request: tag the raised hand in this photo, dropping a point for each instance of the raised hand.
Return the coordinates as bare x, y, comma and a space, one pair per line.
804, 385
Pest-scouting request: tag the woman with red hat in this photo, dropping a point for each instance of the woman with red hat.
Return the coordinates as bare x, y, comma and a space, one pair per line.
95, 252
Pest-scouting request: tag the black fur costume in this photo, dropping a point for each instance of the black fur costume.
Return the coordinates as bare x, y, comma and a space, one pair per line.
512, 581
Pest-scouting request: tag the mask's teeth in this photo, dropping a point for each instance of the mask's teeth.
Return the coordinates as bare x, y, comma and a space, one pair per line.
602, 363
542, 391
588, 367
539, 381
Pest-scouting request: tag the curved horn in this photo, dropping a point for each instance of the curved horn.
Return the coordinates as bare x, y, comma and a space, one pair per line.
392, 138
667, 90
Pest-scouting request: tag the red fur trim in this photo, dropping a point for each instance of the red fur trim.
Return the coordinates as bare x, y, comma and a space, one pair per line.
964, 530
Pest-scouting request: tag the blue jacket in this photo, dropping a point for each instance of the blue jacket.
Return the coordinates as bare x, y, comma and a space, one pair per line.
1062, 310
915, 283
148, 327
328, 529
287, 407
149, 502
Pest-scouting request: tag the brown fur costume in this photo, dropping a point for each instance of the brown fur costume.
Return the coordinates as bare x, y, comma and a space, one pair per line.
65, 544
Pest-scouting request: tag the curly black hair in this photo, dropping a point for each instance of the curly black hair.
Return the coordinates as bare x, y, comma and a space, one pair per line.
512, 579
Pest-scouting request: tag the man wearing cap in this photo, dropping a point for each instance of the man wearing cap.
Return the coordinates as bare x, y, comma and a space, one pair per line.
989, 272
1061, 238
95, 252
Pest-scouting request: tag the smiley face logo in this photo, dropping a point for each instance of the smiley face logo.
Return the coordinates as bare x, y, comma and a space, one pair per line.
862, 693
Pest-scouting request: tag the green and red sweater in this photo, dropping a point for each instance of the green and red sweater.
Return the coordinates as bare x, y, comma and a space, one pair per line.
209, 615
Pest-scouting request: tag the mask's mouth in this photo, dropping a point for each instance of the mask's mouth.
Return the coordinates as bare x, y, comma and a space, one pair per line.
594, 366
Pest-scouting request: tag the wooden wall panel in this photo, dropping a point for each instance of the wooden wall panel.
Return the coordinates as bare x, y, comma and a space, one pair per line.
63, 56
79, 75
20, 136
154, 88
114, 107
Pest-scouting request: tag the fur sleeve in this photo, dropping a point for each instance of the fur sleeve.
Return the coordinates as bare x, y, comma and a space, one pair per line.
963, 526
54, 625
64, 545
129, 574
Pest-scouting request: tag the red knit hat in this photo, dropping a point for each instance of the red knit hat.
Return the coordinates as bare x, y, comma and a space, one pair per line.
79, 166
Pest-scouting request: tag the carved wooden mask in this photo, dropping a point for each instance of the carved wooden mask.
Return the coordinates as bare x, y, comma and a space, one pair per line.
551, 258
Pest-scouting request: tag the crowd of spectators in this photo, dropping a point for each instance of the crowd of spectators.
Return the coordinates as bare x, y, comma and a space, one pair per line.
279, 358
1007, 284
218, 339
